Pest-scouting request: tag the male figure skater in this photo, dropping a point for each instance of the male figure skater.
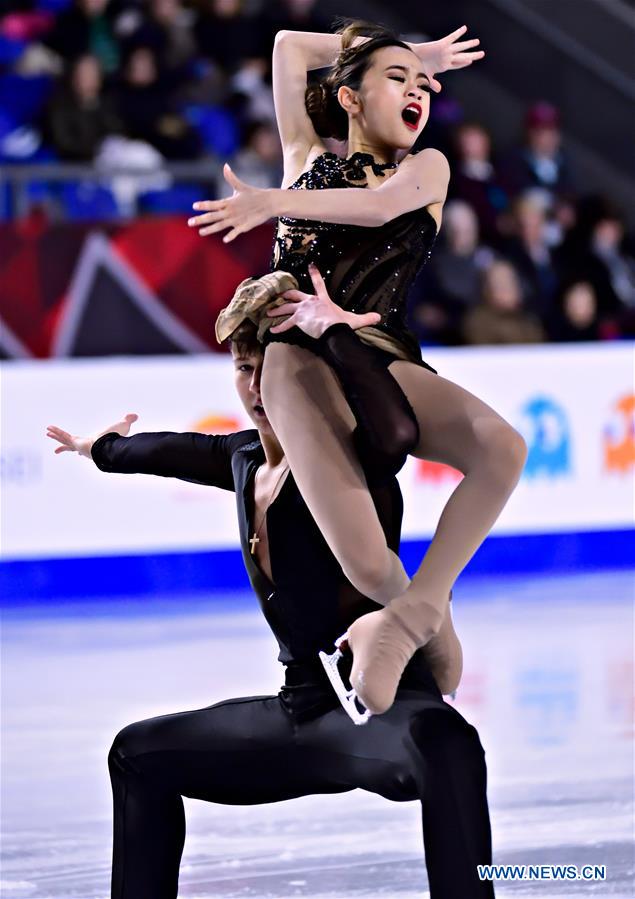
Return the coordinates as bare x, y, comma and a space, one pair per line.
260, 749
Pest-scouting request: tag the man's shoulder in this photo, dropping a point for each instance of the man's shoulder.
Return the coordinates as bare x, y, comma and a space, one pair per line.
244, 441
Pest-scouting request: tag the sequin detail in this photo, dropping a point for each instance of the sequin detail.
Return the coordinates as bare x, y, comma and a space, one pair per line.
365, 269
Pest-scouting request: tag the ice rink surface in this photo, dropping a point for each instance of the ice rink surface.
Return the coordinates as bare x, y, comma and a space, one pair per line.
548, 682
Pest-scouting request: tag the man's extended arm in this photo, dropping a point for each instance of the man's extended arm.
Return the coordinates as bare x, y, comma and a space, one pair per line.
197, 458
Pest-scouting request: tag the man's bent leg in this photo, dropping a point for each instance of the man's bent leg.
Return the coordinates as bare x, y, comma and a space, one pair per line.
450, 768
420, 749
237, 752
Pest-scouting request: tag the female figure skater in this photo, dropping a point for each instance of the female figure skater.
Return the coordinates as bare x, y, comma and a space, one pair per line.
261, 749
369, 222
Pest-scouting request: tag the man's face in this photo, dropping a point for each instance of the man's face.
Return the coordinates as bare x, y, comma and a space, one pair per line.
247, 370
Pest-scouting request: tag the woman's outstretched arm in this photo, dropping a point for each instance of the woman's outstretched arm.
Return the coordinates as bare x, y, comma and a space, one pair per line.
317, 50
421, 180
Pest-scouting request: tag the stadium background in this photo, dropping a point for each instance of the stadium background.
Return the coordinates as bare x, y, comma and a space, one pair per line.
115, 117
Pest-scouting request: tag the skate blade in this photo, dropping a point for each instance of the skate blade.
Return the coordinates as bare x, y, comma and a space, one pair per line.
351, 703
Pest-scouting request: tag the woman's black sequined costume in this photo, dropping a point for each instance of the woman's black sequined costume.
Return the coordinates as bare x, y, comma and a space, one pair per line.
365, 269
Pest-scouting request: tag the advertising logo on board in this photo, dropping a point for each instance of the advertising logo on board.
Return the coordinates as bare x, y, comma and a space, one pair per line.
436, 473
216, 424
545, 427
619, 436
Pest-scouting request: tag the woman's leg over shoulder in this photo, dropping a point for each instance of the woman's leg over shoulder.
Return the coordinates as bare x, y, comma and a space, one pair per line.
313, 422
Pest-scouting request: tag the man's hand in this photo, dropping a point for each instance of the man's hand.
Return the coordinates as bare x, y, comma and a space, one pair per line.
446, 54
70, 443
245, 209
314, 313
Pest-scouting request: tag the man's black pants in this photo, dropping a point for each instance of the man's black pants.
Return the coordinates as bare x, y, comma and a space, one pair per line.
254, 750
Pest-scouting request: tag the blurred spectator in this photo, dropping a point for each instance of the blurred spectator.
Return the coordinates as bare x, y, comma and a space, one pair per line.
79, 117
148, 111
500, 317
475, 179
292, 15
87, 27
259, 163
167, 27
227, 35
564, 215
450, 283
24, 26
252, 91
576, 314
446, 114
595, 251
530, 253
541, 161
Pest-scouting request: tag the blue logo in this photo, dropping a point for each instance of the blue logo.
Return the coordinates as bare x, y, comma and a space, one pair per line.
546, 430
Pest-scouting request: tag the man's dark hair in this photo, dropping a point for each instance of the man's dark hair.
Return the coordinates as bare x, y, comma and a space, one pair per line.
244, 340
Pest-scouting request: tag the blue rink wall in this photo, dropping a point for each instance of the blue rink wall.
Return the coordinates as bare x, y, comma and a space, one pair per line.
70, 531
212, 573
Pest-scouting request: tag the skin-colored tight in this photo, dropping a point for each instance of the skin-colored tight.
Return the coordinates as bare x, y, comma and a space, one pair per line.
313, 423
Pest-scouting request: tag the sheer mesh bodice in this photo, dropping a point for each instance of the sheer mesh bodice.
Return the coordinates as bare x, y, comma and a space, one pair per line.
365, 269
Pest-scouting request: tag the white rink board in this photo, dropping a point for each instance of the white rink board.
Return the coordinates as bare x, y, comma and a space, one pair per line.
573, 404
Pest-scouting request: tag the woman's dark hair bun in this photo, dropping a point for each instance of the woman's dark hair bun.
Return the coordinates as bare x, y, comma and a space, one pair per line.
326, 114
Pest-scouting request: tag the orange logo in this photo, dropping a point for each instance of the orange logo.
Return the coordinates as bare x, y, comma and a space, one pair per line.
216, 424
619, 436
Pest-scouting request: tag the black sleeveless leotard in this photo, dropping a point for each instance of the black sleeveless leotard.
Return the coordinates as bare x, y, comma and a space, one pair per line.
365, 269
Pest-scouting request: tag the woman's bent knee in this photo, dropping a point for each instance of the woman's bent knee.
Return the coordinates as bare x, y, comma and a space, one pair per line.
504, 449
514, 452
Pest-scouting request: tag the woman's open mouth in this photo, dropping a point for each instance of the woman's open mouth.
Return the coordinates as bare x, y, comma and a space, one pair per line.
260, 412
411, 115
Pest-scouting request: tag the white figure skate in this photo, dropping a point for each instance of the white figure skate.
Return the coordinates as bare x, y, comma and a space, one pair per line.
352, 704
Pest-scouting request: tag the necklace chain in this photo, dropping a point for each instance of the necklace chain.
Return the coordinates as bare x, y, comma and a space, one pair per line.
256, 539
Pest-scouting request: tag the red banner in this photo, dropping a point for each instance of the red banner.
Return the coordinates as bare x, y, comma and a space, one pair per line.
151, 286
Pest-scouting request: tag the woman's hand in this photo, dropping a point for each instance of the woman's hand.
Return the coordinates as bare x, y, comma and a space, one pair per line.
70, 443
246, 208
446, 54
314, 313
